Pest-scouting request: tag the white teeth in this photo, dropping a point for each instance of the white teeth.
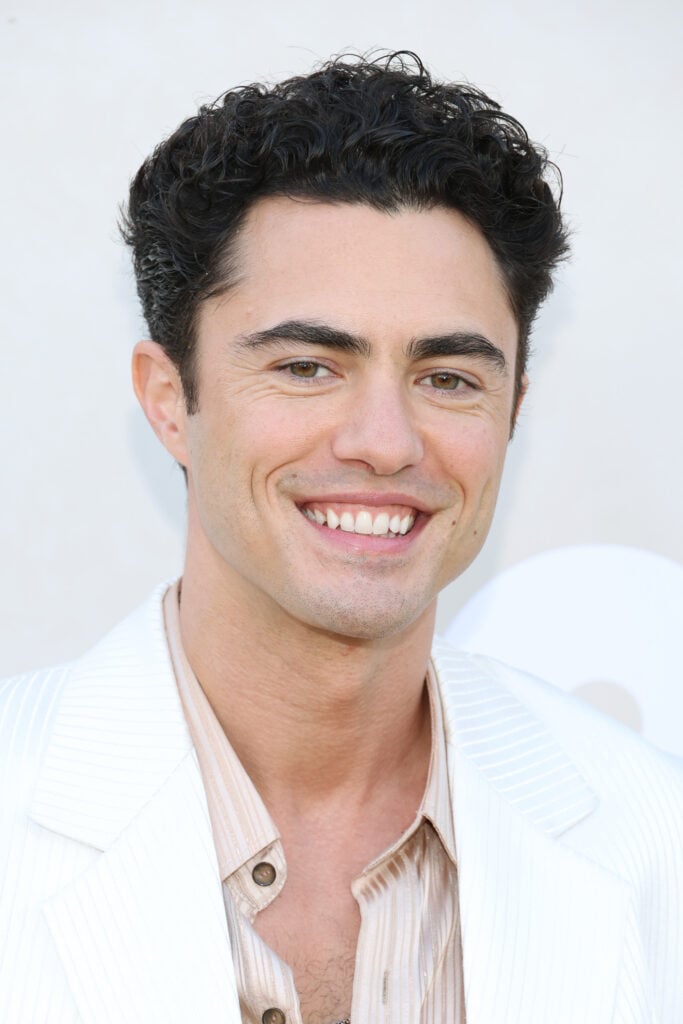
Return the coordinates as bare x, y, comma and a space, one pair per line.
363, 522
381, 524
347, 522
406, 523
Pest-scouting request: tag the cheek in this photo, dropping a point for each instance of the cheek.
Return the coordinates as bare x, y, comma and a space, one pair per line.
289, 431
235, 455
473, 453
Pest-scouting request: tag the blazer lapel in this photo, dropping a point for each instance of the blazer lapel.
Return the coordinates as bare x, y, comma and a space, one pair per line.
141, 931
542, 926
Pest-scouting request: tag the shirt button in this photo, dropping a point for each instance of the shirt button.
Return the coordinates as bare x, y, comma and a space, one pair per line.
273, 1016
265, 874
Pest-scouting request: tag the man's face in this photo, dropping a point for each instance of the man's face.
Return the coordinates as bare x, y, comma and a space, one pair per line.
355, 399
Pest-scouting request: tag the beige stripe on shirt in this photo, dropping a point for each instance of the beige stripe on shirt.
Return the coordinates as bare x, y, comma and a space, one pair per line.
408, 966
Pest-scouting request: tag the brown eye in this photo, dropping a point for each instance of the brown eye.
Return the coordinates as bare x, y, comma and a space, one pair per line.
446, 381
304, 369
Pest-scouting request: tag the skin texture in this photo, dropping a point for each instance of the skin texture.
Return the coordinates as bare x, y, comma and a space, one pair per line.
310, 643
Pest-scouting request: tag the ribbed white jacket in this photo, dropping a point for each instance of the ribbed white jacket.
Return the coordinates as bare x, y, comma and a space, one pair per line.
569, 833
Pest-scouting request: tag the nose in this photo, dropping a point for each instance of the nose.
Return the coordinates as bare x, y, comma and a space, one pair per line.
379, 429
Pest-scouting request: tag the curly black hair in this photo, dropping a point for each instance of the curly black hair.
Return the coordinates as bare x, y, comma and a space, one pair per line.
379, 132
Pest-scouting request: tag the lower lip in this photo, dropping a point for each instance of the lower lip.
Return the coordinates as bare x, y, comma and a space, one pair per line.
365, 543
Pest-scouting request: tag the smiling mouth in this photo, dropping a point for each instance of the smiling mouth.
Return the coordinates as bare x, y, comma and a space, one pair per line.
391, 521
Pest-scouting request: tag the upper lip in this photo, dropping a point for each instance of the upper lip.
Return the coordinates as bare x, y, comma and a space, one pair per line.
372, 499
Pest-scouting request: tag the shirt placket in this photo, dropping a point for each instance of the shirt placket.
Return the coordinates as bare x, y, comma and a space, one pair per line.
265, 984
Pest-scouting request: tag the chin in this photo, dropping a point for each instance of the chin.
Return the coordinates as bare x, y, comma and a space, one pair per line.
365, 621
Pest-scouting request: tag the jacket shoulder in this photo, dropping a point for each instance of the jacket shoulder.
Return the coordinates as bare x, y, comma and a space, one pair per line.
28, 707
632, 830
32, 704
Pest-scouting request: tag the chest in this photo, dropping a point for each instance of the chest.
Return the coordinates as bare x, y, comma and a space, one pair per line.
382, 948
314, 930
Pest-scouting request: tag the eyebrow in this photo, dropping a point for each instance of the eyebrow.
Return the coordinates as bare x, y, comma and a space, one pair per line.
309, 332
458, 343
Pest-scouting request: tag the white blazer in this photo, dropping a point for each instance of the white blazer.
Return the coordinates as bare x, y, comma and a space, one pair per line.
569, 833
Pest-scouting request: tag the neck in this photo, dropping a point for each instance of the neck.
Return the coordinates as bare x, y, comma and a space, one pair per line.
312, 715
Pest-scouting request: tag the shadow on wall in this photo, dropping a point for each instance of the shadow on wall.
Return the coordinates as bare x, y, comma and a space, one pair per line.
601, 621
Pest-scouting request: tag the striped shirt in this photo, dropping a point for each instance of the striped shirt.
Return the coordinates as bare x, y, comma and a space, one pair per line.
408, 967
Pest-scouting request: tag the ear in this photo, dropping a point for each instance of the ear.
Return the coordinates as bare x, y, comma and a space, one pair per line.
523, 388
159, 391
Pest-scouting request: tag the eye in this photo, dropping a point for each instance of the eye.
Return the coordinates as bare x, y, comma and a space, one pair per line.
305, 369
446, 380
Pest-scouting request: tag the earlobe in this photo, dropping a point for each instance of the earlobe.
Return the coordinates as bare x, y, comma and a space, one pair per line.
159, 391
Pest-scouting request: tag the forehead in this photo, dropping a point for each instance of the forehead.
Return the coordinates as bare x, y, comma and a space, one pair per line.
384, 275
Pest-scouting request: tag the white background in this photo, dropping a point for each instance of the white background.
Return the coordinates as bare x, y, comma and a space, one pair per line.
92, 509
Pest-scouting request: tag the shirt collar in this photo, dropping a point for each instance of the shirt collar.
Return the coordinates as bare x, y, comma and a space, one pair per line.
437, 803
242, 826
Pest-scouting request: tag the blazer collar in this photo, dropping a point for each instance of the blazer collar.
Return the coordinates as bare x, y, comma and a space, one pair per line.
120, 776
512, 749
118, 735
120, 732
542, 925
140, 927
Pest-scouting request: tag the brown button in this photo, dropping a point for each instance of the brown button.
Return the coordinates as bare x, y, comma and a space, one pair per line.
265, 874
273, 1015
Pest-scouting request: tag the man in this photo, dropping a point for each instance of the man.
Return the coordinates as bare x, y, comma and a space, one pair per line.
267, 796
